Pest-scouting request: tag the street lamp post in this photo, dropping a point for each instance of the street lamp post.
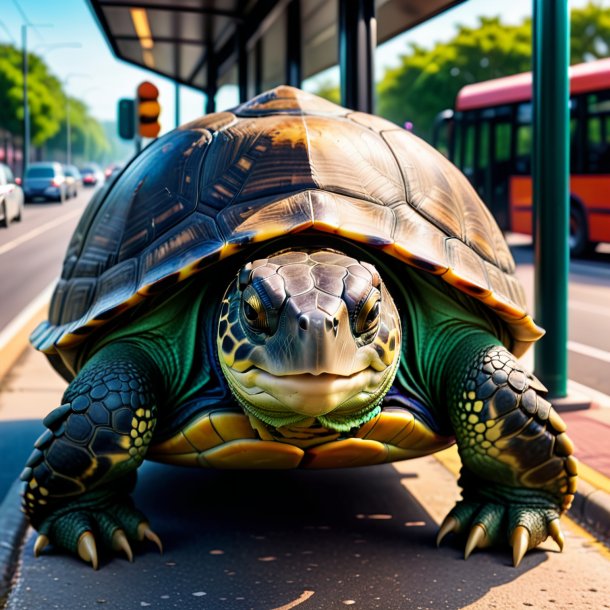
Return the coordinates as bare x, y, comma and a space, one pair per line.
68, 134
26, 107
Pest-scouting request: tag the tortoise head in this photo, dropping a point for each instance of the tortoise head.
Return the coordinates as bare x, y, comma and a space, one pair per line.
309, 334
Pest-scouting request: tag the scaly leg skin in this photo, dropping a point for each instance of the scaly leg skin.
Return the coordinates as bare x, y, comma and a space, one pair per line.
77, 480
518, 474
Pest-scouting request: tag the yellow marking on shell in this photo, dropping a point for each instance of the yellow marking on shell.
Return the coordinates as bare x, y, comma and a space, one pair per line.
468, 406
387, 426
473, 419
250, 453
478, 406
176, 444
345, 453
124, 442
480, 427
142, 427
472, 395
231, 426
200, 433
228, 250
134, 433
33, 484
140, 413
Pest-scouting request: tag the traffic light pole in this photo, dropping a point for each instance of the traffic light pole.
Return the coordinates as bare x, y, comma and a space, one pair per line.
551, 189
26, 106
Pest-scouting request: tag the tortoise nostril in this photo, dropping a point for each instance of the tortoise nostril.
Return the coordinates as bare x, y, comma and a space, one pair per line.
303, 323
331, 324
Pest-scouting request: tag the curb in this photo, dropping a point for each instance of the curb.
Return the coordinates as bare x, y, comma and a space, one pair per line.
14, 339
591, 508
13, 526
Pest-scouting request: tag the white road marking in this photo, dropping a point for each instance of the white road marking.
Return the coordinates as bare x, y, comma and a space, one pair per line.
599, 398
11, 245
587, 350
22, 319
590, 308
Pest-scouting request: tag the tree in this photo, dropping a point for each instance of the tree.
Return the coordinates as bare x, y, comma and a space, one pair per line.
589, 33
427, 80
47, 102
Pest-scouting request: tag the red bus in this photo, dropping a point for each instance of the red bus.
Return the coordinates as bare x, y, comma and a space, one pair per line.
489, 137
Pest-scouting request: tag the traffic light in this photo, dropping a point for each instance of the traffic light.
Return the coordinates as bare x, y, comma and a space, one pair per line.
127, 127
148, 110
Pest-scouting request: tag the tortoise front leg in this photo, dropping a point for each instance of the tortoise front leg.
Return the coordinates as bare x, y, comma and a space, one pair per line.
78, 479
518, 474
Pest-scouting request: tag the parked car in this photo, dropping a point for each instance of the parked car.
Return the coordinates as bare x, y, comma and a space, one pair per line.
92, 175
11, 197
45, 180
74, 179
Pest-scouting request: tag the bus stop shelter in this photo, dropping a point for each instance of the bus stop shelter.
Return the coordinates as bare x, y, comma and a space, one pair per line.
257, 45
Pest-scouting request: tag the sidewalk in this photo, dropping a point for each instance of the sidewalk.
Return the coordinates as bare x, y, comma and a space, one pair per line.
31, 388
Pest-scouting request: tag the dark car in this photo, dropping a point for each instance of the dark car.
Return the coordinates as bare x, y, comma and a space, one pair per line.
92, 175
74, 179
45, 181
11, 197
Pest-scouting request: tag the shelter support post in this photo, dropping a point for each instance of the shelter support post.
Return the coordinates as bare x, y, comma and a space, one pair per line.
357, 42
551, 189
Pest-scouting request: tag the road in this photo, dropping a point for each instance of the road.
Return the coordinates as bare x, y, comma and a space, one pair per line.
31, 252
589, 314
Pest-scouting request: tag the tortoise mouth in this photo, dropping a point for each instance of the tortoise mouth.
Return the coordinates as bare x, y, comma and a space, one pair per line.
309, 395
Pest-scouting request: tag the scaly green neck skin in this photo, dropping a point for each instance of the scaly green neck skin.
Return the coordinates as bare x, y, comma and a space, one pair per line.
307, 335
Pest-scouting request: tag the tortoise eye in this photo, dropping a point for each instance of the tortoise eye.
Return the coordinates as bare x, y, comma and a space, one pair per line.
368, 314
250, 312
255, 313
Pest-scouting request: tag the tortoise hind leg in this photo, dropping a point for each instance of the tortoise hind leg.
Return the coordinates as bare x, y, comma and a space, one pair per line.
78, 479
518, 474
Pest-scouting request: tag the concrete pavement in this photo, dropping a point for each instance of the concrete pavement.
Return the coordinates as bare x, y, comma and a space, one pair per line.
30, 389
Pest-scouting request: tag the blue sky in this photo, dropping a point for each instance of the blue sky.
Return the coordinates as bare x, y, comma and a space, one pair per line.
94, 75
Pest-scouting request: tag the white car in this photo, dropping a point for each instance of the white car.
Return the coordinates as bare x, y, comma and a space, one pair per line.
11, 197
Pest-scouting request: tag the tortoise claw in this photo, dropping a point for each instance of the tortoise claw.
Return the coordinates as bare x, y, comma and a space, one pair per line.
144, 531
41, 543
87, 550
556, 533
476, 538
450, 524
120, 543
520, 543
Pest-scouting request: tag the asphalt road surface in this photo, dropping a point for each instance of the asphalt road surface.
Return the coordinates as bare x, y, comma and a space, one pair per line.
31, 251
588, 311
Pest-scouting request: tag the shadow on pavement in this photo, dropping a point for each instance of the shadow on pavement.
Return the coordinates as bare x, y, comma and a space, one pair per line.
264, 540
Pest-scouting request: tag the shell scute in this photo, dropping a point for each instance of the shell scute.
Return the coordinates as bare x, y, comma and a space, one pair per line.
283, 163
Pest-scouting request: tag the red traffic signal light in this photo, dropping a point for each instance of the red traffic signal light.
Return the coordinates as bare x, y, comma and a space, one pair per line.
148, 110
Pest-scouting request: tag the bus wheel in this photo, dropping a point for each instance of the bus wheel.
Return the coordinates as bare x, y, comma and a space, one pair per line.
579, 233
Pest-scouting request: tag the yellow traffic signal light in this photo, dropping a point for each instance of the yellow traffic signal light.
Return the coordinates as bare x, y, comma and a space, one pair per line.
148, 110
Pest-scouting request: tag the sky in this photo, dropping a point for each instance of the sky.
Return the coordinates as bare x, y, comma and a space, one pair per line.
92, 73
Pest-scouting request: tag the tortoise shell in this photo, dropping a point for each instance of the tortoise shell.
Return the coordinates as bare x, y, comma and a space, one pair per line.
284, 162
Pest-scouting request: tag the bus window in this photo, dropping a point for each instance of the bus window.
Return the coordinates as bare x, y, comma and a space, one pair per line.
598, 133
523, 139
502, 152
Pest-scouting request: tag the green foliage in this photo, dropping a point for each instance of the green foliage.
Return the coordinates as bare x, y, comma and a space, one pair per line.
427, 80
590, 33
330, 91
47, 104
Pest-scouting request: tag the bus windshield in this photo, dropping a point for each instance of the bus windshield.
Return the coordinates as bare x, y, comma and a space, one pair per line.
488, 135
